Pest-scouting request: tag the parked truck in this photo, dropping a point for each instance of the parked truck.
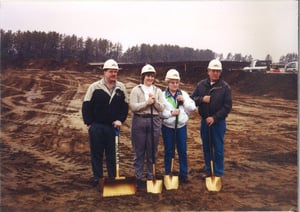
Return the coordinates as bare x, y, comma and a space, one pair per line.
258, 66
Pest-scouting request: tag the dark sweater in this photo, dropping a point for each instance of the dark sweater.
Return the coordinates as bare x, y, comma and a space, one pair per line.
220, 103
100, 106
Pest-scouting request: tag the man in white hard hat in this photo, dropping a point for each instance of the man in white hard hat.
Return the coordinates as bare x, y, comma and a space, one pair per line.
178, 106
214, 101
104, 109
146, 101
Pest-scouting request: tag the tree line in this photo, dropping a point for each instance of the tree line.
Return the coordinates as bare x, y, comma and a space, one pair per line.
25, 45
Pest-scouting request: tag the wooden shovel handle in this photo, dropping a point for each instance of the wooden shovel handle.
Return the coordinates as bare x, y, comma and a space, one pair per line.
117, 133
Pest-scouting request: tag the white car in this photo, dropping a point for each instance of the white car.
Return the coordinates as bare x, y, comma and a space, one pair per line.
292, 67
258, 66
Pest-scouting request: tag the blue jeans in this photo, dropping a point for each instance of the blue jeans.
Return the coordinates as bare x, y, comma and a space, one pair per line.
217, 134
102, 140
168, 135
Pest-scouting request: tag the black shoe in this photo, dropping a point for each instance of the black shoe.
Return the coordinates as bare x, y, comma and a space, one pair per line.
98, 187
94, 182
139, 184
184, 179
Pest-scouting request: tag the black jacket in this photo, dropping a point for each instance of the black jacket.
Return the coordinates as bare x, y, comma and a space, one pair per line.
220, 103
100, 106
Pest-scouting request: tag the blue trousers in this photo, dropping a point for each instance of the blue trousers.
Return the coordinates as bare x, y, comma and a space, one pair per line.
168, 135
217, 133
102, 140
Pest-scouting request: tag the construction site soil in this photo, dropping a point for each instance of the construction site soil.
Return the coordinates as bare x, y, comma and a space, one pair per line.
45, 155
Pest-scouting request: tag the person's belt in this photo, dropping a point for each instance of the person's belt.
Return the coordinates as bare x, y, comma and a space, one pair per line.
145, 115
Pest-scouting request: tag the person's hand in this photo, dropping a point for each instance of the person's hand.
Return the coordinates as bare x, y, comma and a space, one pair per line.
206, 99
180, 99
117, 124
210, 120
151, 99
175, 112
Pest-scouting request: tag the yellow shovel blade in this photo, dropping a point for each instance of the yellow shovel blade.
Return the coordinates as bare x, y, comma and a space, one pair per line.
119, 186
171, 182
213, 183
154, 186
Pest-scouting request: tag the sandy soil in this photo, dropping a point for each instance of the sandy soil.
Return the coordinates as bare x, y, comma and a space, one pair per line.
45, 158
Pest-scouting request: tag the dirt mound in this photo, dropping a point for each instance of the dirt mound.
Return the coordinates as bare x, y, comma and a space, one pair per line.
47, 64
261, 84
255, 84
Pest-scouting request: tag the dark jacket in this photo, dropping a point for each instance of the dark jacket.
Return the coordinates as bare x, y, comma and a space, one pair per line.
220, 102
100, 106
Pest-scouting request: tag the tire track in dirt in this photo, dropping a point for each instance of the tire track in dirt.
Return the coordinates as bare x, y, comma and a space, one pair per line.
46, 157
34, 96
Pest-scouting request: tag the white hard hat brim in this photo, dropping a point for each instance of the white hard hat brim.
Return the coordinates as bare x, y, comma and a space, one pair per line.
214, 68
111, 68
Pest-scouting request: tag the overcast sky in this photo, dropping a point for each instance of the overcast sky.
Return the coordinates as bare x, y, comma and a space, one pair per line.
247, 27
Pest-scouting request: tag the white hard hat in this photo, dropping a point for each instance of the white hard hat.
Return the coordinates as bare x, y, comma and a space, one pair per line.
148, 68
215, 65
110, 64
172, 74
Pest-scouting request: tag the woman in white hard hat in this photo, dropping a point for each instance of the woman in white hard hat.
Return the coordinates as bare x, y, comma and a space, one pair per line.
178, 105
105, 107
142, 98
214, 101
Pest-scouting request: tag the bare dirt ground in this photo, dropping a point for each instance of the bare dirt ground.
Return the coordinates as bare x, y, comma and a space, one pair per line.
45, 158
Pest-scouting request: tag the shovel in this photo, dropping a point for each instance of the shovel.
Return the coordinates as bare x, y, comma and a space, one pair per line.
213, 183
154, 185
170, 181
118, 186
